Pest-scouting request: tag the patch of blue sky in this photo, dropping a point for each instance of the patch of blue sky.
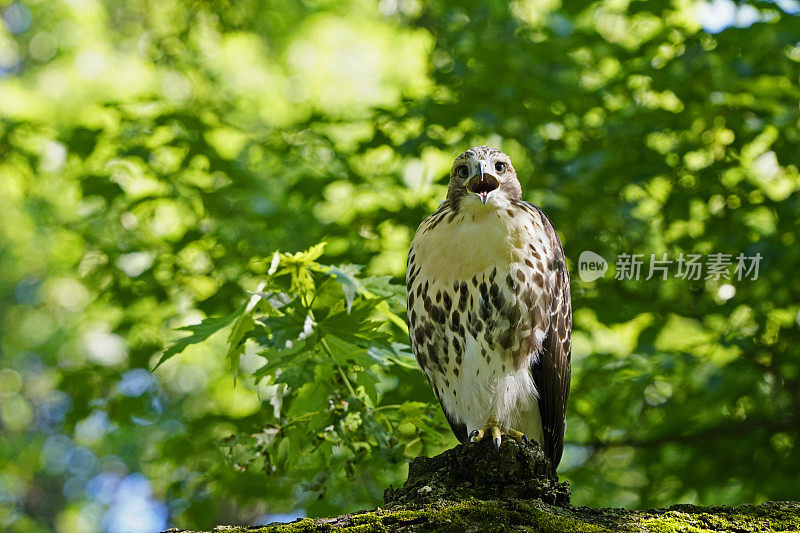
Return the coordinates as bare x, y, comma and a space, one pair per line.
717, 15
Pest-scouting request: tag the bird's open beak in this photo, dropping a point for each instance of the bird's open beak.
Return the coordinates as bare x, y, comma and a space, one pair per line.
483, 182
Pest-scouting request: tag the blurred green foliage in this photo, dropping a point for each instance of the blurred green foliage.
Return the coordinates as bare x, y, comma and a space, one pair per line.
154, 156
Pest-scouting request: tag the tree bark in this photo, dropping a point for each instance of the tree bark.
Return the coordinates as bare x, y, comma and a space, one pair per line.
475, 488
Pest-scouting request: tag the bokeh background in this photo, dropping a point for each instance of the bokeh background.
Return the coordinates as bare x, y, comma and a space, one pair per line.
154, 152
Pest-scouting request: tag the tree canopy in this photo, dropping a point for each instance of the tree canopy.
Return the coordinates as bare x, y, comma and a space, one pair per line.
230, 189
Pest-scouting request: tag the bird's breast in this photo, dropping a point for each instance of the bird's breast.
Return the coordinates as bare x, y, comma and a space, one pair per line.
463, 245
459, 245
483, 278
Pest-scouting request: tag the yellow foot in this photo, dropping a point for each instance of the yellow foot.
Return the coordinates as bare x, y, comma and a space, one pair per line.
491, 428
518, 436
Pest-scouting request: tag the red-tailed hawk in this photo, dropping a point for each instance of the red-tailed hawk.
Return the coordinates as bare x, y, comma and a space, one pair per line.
490, 316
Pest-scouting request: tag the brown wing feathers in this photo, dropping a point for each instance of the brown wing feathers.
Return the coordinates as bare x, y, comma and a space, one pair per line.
551, 372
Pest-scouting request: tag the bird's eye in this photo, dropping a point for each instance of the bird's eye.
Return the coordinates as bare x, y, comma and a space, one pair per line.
462, 172
500, 166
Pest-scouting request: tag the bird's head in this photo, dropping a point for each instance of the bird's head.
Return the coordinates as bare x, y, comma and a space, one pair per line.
483, 176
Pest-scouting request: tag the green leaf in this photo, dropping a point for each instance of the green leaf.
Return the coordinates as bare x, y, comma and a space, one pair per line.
300, 266
284, 330
200, 332
306, 257
292, 366
356, 326
394, 296
244, 325
397, 354
236, 340
383, 286
351, 285
347, 353
308, 398
368, 386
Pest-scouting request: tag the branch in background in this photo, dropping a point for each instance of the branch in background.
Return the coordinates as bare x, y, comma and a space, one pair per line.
723, 430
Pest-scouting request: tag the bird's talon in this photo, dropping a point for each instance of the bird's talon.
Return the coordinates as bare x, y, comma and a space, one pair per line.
496, 437
492, 429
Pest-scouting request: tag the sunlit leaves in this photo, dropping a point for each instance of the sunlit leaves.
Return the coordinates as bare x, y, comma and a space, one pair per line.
330, 346
300, 267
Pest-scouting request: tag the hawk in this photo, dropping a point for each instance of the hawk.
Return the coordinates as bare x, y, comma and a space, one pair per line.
490, 316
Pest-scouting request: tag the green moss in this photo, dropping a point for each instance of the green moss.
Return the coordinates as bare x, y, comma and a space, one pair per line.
534, 515
771, 516
507, 515
307, 525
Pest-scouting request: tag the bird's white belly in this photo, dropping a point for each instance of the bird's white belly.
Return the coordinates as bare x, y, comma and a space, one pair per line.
492, 389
